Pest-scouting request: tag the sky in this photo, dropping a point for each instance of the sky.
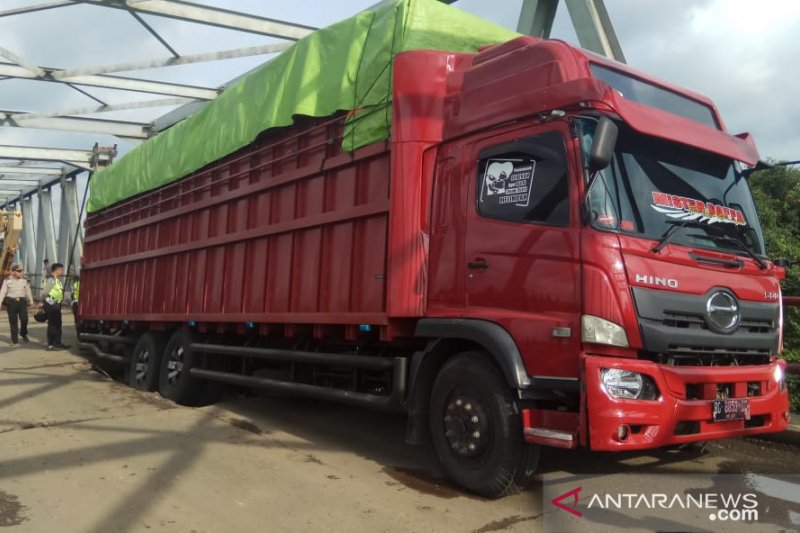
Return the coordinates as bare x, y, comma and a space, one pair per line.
740, 53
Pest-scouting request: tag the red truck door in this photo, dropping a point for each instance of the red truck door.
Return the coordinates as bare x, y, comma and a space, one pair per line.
522, 243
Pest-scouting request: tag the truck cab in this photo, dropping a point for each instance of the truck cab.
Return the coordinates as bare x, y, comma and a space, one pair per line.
601, 219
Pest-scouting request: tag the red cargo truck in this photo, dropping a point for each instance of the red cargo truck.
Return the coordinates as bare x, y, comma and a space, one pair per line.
552, 249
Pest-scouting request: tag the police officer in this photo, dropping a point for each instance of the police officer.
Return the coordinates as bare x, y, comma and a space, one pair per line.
76, 291
53, 296
16, 295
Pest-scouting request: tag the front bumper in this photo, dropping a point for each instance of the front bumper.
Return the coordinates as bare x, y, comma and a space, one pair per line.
674, 419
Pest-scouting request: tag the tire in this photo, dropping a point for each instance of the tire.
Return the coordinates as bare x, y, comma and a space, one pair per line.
175, 381
476, 428
145, 362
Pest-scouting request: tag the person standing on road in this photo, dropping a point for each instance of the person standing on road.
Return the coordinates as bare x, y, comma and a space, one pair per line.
53, 296
16, 295
76, 292
45, 275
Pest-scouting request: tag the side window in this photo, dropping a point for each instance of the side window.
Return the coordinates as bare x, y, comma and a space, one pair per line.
525, 181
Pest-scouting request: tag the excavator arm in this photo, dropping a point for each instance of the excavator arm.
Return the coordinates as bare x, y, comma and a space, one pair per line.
10, 231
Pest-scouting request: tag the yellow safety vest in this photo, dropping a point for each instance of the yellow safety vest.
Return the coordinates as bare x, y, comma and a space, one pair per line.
76, 289
57, 292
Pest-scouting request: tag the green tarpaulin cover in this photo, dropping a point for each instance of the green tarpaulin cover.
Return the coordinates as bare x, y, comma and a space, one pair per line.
346, 66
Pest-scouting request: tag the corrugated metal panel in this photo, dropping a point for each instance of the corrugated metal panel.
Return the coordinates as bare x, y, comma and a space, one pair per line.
288, 230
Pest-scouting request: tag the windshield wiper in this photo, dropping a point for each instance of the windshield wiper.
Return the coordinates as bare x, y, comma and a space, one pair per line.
719, 236
674, 226
737, 239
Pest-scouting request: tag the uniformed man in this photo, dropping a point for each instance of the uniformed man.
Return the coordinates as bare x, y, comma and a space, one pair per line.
16, 295
53, 296
45, 275
76, 291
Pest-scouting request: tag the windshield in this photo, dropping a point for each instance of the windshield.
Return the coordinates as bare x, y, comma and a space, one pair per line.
653, 185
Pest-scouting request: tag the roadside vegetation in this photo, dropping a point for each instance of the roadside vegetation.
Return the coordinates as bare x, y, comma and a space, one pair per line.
777, 195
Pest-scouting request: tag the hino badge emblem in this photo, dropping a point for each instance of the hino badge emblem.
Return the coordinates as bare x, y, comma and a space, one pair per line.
722, 312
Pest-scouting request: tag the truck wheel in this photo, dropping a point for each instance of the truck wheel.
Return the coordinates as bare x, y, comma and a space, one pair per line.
477, 428
145, 361
175, 382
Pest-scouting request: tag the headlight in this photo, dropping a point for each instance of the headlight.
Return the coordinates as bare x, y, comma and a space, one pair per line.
628, 385
621, 383
779, 377
601, 331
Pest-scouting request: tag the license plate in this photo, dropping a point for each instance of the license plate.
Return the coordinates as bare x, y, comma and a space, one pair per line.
730, 410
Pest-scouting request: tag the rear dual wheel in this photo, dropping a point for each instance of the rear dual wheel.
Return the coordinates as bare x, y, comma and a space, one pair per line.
476, 427
145, 361
176, 382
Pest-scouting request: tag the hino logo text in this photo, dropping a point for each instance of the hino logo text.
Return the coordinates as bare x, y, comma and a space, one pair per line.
656, 281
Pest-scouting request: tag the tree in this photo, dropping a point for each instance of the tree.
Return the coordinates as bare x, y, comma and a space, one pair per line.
777, 195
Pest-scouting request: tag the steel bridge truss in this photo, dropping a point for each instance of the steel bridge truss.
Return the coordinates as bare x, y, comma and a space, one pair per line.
27, 172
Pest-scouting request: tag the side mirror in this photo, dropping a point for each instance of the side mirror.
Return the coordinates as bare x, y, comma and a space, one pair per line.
783, 263
603, 144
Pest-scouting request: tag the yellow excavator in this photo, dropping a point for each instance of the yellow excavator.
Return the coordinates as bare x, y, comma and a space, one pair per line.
10, 232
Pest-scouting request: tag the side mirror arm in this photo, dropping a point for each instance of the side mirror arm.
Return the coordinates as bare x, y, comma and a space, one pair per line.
763, 165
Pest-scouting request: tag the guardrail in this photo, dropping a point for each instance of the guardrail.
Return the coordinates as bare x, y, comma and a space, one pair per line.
792, 301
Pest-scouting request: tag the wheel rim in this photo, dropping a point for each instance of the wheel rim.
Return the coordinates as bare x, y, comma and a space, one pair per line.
467, 426
142, 359
175, 365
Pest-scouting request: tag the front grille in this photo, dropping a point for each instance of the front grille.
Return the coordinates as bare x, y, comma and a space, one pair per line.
757, 326
687, 427
673, 326
673, 319
722, 391
711, 356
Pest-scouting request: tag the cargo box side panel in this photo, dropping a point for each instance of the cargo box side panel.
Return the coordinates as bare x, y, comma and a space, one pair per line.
288, 230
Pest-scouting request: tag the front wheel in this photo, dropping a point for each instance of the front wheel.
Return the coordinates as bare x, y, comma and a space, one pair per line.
477, 428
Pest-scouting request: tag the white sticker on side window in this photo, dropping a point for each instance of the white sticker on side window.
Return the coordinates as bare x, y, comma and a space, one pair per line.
508, 182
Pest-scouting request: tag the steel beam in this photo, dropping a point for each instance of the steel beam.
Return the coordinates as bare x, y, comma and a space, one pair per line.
17, 60
35, 171
154, 33
190, 12
594, 28
78, 158
17, 183
37, 7
171, 118
142, 86
27, 245
119, 128
536, 18
159, 102
69, 250
45, 231
182, 60
11, 70
211, 16
112, 82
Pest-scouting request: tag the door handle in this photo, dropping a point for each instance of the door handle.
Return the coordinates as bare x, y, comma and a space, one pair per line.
478, 264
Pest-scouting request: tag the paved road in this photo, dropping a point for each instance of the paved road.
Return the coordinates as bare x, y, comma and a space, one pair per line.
80, 452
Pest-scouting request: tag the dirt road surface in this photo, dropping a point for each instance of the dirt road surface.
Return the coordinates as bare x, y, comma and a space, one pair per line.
80, 452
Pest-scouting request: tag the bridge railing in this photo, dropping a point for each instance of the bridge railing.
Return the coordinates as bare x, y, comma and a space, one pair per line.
792, 301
